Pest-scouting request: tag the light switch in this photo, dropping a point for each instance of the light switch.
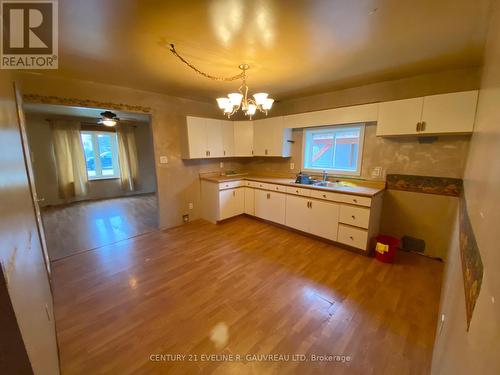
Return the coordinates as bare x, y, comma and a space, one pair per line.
292, 166
163, 160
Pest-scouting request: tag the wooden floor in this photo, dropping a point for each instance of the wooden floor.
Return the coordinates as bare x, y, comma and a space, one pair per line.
81, 226
243, 287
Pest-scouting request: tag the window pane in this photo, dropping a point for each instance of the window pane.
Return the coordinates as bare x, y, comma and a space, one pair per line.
346, 150
88, 149
334, 149
106, 154
322, 150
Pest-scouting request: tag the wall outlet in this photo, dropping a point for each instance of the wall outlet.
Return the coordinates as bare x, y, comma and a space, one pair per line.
221, 164
163, 160
185, 218
292, 166
190, 205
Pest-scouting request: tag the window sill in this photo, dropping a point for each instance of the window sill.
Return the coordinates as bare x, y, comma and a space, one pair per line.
103, 178
332, 173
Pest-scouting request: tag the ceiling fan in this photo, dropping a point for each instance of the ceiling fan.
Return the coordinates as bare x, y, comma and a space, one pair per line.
109, 119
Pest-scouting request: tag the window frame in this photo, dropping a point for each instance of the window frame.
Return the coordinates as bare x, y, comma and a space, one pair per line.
337, 172
97, 160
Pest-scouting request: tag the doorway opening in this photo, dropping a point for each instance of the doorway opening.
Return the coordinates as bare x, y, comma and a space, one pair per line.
95, 184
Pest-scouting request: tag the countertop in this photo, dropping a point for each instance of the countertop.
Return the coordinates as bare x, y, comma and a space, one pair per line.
355, 190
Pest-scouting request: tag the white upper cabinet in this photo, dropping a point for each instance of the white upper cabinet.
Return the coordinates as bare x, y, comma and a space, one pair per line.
243, 138
399, 117
449, 113
437, 114
196, 138
271, 137
214, 138
204, 138
335, 116
227, 138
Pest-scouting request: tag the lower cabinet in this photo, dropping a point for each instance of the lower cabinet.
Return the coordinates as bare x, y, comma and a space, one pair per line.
249, 201
313, 216
349, 219
231, 203
270, 205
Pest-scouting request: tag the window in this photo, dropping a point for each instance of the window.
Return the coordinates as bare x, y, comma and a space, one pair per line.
101, 154
336, 149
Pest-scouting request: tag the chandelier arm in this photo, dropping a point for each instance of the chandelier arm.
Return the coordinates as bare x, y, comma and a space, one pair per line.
209, 76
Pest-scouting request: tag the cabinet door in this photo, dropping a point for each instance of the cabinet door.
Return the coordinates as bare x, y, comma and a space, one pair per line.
243, 138
325, 219
249, 201
214, 138
227, 138
238, 201
262, 204
197, 137
276, 207
260, 138
449, 113
226, 204
275, 137
399, 117
298, 213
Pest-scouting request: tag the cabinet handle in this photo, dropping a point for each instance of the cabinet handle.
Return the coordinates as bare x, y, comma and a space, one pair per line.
422, 126
297, 191
266, 151
324, 195
354, 217
268, 196
351, 237
355, 200
418, 126
224, 152
234, 194
310, 204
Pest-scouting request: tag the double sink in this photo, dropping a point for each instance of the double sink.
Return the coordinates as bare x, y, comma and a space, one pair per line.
327, 184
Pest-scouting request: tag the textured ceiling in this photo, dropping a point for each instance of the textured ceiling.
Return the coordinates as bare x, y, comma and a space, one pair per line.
294, 47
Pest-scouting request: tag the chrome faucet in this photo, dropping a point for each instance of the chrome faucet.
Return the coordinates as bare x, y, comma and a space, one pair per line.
325, 175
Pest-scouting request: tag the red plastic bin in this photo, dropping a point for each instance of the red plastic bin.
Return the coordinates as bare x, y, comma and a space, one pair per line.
387, 257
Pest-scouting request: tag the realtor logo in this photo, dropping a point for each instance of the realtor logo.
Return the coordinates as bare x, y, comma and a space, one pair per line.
29, 34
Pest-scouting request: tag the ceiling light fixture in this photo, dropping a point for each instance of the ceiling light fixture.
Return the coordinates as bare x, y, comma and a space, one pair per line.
236, 100
108, 118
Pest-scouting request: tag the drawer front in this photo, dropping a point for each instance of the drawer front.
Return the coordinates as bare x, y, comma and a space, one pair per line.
281, 188
355, 199
253, 184
230, 185
354, 237
352, 215
326, 195
263, 185
298, 191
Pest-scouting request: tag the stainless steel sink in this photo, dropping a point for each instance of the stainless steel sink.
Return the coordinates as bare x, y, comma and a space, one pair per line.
327, 184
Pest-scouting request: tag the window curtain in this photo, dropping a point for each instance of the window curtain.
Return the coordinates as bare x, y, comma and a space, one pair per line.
70, 159
127, 156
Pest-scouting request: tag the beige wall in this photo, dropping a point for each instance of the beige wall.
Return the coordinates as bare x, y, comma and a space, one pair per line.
41, 147
178, 182
476, 352
20, 250
444, 158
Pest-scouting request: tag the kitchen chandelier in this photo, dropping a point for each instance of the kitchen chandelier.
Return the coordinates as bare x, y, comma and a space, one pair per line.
236, 100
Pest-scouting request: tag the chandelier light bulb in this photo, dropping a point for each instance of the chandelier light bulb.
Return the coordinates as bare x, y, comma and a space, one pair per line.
109, 122
260, 98
235, 98
229, 107
268, 103
223, 102
251, 109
